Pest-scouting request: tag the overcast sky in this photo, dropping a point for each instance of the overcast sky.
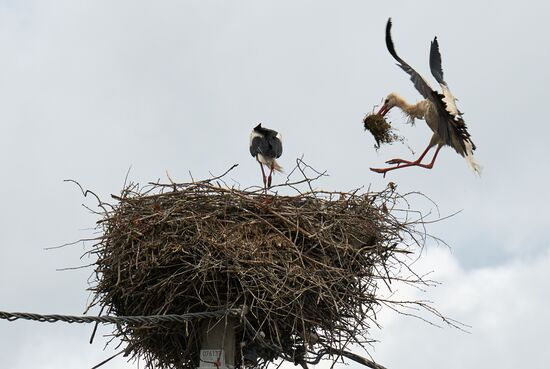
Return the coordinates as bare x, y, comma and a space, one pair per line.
89, 89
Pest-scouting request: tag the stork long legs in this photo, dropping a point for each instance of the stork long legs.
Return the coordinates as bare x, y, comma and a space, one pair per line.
266, 179
263, 176
270, 175
417, 161
400, 163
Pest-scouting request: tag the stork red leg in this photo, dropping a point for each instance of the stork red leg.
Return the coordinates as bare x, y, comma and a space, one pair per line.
430, 166
400, 163
416, 162
270, 175
263, 176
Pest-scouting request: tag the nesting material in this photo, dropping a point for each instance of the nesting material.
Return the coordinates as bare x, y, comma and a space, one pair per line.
381, 129
307, 267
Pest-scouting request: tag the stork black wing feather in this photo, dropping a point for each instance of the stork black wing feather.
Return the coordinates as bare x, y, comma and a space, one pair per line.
269, 146
276, 147
419, 83
258, 145
435, 62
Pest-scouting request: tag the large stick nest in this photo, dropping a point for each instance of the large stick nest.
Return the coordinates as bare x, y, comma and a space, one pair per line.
307, 266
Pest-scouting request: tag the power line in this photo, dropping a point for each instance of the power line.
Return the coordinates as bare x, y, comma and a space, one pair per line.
140, 319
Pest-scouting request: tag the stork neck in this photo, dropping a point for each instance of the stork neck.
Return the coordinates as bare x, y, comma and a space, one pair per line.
415, 111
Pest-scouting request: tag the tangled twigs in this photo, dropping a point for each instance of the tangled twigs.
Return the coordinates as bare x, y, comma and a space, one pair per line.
350, 355
305, 262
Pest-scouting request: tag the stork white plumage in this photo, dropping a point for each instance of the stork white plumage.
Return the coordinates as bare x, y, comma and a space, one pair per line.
266, 146
439, 110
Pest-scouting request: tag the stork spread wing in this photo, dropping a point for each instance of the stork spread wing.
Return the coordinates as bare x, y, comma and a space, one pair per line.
419, 83
423, 87
437, 72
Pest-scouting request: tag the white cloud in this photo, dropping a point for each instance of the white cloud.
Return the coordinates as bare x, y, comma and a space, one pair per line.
506, 307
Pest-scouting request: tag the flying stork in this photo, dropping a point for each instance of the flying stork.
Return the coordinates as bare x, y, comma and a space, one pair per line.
437, 109
266, 146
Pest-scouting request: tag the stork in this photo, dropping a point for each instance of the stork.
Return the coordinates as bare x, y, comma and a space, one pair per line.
437, 109
266, 146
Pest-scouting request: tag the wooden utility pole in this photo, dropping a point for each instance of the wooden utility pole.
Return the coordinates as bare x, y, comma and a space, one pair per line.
218, 344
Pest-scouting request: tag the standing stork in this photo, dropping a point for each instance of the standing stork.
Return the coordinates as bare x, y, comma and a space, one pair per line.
437, 109
266, 146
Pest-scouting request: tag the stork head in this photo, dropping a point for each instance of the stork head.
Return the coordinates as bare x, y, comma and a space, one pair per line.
390, 101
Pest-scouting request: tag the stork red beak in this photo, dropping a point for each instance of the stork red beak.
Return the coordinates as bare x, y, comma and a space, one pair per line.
383, 110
